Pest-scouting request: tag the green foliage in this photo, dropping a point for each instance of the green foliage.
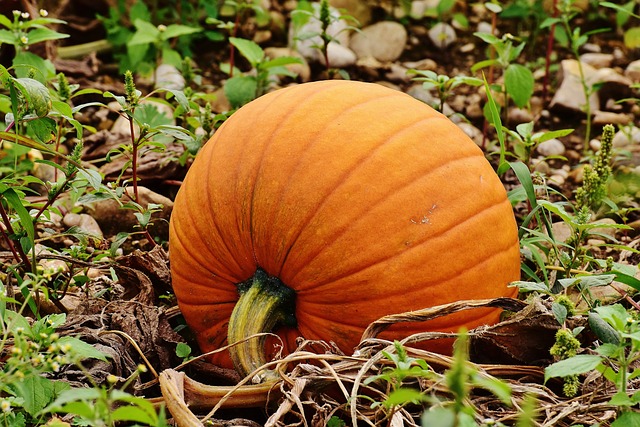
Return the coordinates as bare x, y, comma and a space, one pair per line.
25, 30
443, 84
594, 187
241, 89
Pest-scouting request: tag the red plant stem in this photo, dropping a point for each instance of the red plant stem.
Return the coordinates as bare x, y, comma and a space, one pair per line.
547, 63
134, 162
232, 49
17, 251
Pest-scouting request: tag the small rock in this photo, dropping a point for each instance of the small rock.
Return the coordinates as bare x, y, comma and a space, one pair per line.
169, 77
422, 94
591, 47
360, 10
485, 27
561, 231
473, 109
471, 131
398, 73
423, 64
302, 70
220, 103
84, 222
540, 166
122, 126
626, 137
552, 147
467, 48
339, 54
613, 83
519, 115
556, 179
632, 71
607, 231
570, 94
262, 36
601, 118
597, 60
385, 41
595, 145
114, 219
442, 35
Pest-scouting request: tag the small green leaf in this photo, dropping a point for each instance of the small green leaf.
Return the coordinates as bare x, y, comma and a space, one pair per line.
627, 419
249, 49
176, 30
575, 365
519, 82
36, 94
603, 330
83, 349
240, 89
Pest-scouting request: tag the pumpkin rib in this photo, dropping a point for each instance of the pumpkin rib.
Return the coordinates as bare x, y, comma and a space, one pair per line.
266, 144
301, 159
431, 285
341, 181
508, 246
427, 238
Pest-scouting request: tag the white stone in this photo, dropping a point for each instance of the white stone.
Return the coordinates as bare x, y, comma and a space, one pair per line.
552, 147
633, 71
169, 77
302, 70
442, 35
339, 54
570, 95
384, 41
597, 60
626, 137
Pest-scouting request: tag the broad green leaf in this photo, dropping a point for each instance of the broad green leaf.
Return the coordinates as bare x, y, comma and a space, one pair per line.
249, 49
83, 349
627, 419
62, 108
575, 365
15, 202
43, 34
632, 38
7, 37
133, 413
6, 22
439, 417
92, 176
146, 33
176, 30
36, 391
559, 312
403, 396
519, 82
42, 129
36, 94
240, 89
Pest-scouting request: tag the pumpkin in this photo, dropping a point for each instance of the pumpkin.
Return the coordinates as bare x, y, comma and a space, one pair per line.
319, 208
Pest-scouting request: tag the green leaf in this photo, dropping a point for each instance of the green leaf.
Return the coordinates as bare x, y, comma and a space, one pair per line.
36, 392
26, 63
403, 396
499, 388
524, 176
176, 30
575, 365
36, 94
249, 49
559, 312
439, 417
133, 413
25, 219
83, 349
7, 37
632, 38
519, 82
42, 129
92, 176
6, 22
183, 350
627, 419
603, 330
146, 33
240, 89
43, 34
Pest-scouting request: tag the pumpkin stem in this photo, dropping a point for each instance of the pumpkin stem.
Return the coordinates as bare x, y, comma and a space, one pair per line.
265, 302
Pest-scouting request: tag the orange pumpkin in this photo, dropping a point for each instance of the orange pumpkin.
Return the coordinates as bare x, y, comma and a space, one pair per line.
352, 201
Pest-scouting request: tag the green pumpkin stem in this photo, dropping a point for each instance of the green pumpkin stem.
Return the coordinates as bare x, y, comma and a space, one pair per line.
265, 303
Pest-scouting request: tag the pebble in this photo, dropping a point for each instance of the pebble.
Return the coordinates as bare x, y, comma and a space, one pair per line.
597, 60
423, 64
385, 41
84, 222
398, 73
169, 77
626, 137
552, 147
471, 131
442, 35
632, 71
601, 118
570, 94
519, 115
484, 27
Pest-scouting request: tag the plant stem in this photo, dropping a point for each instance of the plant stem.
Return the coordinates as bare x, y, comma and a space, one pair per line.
264, 303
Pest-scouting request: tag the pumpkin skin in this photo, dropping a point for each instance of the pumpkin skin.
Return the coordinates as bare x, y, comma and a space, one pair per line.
363, 200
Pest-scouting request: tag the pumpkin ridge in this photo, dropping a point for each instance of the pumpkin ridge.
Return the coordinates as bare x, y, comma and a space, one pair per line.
428, 240
339, 183
395, 189
266, 144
